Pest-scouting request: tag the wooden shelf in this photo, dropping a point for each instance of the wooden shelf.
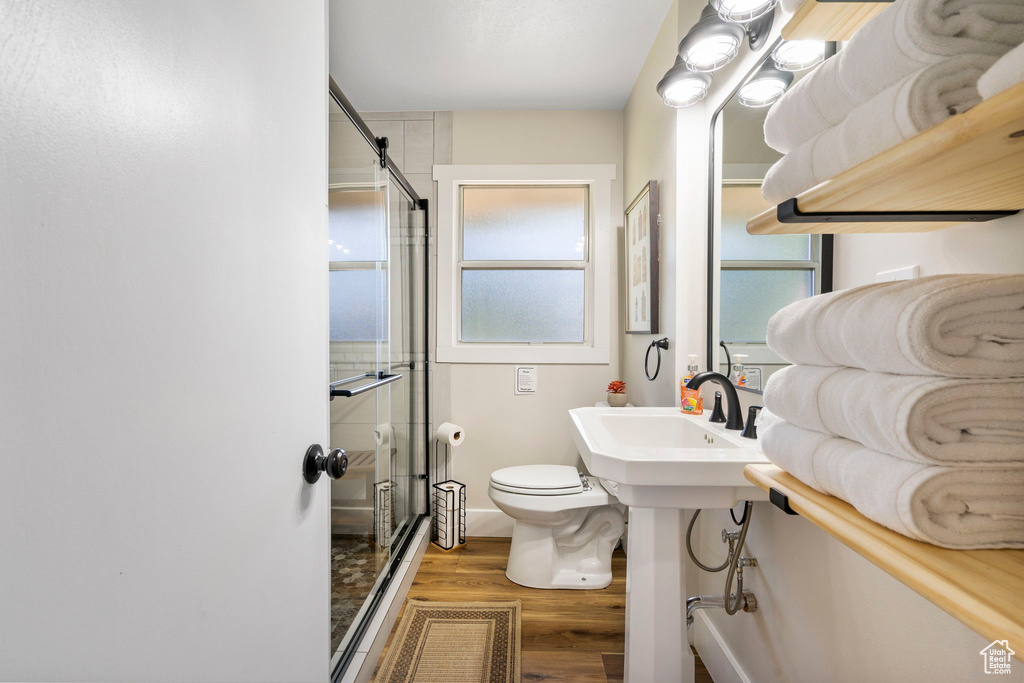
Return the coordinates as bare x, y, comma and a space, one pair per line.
970, 162
982, 588
815, 20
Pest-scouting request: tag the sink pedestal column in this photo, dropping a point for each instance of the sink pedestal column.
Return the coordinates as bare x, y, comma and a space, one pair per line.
656, 645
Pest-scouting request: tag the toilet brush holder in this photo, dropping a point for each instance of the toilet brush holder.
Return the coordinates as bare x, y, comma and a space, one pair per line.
448, 530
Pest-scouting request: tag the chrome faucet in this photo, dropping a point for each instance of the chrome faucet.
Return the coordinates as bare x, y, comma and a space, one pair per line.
734, 418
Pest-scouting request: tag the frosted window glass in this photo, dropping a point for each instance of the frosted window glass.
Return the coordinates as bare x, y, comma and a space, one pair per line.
740, 203
356, 226
357, 300
524, 223
522, 305
751, 297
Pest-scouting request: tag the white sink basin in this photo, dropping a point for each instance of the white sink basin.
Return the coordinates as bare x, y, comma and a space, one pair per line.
661, 458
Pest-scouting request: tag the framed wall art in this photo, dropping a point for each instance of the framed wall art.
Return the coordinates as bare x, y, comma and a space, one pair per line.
641, 242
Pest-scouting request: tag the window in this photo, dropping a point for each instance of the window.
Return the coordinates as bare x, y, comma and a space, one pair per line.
523, 263
759, 274
358, 260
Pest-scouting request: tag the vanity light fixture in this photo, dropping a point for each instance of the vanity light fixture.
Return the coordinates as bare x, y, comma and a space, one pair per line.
765, 87
743, 11
711, 43
797, 55
683, 88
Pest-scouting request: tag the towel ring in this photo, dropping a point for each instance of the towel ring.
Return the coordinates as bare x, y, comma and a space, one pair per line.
658, 344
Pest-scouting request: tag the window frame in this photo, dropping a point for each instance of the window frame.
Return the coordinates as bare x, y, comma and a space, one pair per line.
596, 345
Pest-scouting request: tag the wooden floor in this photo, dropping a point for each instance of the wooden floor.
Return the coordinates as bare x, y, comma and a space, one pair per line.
568, 635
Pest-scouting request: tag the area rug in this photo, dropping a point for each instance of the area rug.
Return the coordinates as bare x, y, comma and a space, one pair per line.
455, 642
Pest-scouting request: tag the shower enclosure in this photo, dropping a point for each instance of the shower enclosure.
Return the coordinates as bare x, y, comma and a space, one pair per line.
379, 372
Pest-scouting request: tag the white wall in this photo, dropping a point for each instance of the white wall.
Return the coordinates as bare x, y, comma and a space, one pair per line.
502, 429
162, 346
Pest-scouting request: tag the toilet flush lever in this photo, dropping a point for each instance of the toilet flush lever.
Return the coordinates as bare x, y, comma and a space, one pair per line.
335, 463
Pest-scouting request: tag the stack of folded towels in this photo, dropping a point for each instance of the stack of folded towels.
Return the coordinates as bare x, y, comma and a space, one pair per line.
907, 401
912, 67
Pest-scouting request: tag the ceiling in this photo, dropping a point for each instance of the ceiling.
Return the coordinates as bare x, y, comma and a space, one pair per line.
395, 55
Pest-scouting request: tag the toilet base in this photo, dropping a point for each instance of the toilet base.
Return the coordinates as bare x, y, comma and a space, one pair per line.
575, 556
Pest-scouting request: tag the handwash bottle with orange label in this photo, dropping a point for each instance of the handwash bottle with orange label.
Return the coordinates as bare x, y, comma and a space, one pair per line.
690, 400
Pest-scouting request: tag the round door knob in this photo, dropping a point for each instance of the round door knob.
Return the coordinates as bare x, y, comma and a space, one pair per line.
335, 463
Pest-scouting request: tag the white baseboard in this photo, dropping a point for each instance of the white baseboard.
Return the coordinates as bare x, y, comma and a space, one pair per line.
488, 523
715, 652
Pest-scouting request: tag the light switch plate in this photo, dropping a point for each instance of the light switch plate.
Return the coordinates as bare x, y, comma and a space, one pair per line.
907, 273
526, 379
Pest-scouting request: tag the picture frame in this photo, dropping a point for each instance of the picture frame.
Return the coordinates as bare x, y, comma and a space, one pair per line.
641, 242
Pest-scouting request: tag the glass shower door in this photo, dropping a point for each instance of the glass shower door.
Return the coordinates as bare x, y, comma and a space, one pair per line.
377, 254
358, 249
406, 349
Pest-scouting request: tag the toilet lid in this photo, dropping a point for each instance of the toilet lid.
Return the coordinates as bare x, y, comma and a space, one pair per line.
560, 478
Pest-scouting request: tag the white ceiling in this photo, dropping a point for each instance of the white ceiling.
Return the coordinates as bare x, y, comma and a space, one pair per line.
393, 55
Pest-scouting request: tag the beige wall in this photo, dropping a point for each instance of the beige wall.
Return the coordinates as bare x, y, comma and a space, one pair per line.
503, 429
650, 154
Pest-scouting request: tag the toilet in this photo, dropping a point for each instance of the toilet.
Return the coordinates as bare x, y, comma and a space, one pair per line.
566, 527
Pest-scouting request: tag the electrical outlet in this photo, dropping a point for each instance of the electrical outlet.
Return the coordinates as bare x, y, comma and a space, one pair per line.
907, 273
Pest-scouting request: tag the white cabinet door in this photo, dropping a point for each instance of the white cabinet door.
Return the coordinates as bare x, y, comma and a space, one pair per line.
163, 341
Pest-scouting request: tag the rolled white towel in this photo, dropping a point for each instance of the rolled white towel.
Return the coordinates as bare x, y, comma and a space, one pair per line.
908, 108
953, 507
905, 38
949, 325
1005, 73
930, 420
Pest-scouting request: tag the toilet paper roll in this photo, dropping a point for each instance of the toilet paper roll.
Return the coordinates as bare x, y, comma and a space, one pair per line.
383, 432
450, 434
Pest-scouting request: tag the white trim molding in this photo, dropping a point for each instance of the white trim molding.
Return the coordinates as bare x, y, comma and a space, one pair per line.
598, 179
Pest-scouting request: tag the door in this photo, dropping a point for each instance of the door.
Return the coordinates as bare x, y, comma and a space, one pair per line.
163, 345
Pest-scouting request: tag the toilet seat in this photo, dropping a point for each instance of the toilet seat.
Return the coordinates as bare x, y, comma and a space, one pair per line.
538, 480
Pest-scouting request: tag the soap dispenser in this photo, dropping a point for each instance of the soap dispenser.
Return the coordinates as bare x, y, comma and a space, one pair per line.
738, 376
691, 368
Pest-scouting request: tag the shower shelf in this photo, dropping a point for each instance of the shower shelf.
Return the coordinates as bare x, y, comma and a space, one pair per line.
827, 20
972, 162
982, 588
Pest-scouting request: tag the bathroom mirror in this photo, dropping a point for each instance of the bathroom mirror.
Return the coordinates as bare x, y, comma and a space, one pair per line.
750, 277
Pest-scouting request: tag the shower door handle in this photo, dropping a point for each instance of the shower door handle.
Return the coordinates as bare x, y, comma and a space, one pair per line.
315, 463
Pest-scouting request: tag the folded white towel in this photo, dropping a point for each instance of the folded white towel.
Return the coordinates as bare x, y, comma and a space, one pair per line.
930, 420
953, 507
950, 325
1005, 73
903, 39
915, 104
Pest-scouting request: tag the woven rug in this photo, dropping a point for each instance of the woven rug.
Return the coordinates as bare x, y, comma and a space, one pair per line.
455, 642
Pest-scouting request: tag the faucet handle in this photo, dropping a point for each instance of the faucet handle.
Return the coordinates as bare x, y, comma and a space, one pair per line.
750, 430
717, 414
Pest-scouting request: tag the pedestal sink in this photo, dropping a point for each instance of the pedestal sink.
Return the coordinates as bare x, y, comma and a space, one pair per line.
660, 462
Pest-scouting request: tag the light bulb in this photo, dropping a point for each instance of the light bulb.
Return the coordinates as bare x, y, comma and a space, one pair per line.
685, 93
712, 52
762, 92
681, 87
742, 11
797, 55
